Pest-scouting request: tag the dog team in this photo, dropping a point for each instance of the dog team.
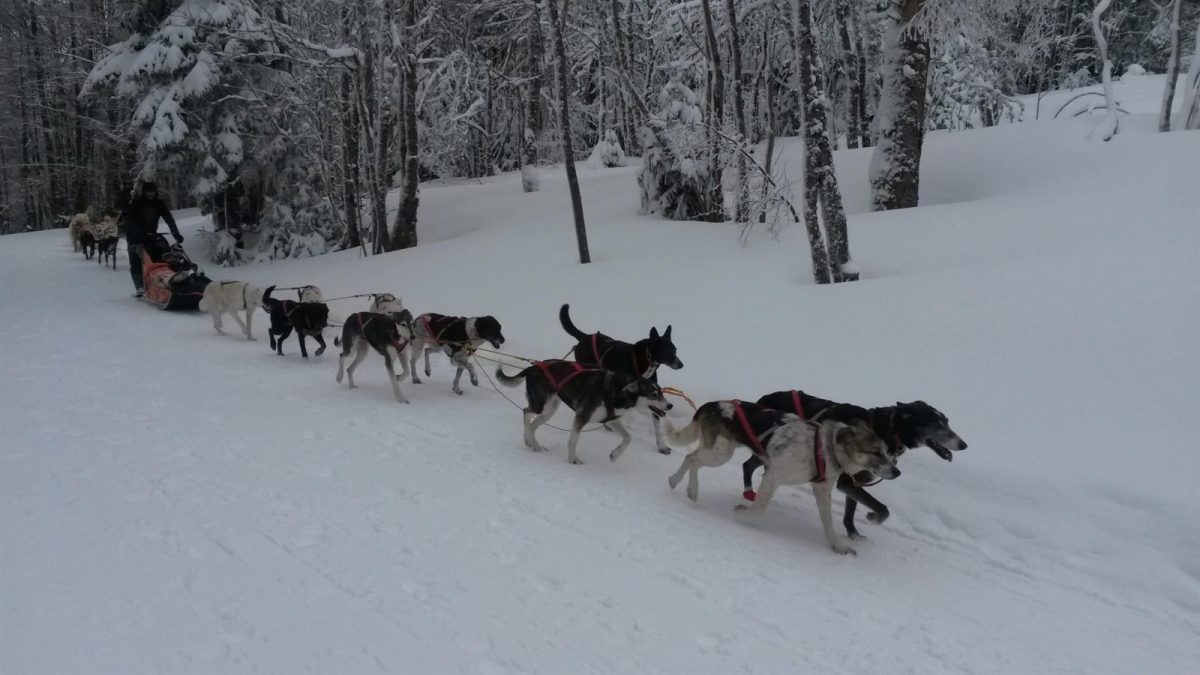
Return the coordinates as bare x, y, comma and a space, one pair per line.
95, 238
796, 437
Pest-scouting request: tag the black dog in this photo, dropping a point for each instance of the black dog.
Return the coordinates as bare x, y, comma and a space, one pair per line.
87, 244
640, 359
308, 319
901, 426
458, 337
388, 334
107, 251
593, 394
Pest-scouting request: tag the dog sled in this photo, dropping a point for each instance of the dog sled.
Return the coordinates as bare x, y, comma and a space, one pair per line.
171, 280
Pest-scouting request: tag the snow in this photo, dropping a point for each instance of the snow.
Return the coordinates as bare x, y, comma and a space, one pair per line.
172, 500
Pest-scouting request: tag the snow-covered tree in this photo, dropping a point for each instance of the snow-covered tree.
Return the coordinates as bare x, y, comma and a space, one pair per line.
1189, 112
608, 152
1109, 127
900, 116
675, 180
194, 77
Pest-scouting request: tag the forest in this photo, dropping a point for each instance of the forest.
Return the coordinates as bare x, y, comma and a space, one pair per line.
292, 121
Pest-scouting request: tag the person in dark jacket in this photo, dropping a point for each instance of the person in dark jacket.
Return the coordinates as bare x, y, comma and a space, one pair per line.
140, 218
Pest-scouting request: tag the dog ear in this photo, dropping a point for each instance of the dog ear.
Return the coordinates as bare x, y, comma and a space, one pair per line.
631, 388
653, 333
667, 333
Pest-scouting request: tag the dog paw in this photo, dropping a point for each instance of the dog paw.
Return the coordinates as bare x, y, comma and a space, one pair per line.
664, 450
428, 373
843, 549
878, 517
459, 392
576, 461
855, 536
742, 507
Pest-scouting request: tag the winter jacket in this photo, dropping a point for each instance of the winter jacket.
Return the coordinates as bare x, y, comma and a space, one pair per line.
141, 218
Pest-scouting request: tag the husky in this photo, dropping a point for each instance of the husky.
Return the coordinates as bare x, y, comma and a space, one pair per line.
902, 426
76, 225
640, 359
308, 319
106, 236
795, 451
386, 303
388, 334
458, 337
106, 251
231, 297
594, 394
87, 243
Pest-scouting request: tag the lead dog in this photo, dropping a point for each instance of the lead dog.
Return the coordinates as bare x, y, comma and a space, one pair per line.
640, 359
594, 394
308, 319
388, 334
231, 297
458, 337
821, 453
902, 426
801, 451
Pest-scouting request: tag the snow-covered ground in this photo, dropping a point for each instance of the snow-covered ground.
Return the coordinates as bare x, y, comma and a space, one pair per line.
172, 500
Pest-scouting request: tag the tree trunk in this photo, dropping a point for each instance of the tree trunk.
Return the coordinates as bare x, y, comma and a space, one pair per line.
350, 171
1173, 63
770, 96
533, 110
860, 77
1189, 112
1108, 128
742, 211
850, 65
813, 126
564, 94
404, 233
896, 162
716, 198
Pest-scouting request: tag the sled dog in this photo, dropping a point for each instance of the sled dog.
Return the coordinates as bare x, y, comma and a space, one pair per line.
594, 394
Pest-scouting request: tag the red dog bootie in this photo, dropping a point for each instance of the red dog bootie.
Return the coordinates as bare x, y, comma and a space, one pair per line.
749, 495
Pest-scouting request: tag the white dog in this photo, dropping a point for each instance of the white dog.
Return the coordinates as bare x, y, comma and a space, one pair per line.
231, 297
386, 303
795, 452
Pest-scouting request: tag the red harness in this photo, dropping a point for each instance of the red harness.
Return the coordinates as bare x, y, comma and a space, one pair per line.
555, 382
818, 454
757, 446
797, 405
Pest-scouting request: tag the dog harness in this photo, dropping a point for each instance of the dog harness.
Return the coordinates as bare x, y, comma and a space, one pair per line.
818, 454
757, 445
556, 383
430, 321
400, 344
637, 369
797, 405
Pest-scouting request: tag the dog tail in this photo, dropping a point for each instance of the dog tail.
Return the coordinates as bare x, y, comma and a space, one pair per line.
685, 436
564, 318
509, 380
267, 300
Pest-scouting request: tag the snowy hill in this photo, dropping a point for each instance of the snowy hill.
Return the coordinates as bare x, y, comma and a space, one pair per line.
176, 501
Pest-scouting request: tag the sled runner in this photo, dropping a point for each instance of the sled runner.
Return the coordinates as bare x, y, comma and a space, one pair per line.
171, 279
